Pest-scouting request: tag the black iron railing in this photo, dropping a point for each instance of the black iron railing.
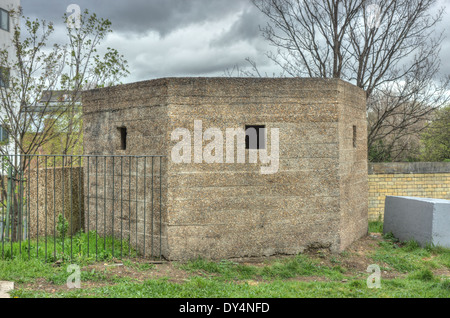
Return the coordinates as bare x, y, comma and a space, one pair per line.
60, 206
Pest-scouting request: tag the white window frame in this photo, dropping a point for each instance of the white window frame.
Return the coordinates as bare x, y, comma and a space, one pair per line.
1, 22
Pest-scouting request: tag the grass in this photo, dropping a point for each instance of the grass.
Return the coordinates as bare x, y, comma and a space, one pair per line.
301, 276
23, 272
36, 259
406, 257
81, 246
201, 287
287, 268
376, 226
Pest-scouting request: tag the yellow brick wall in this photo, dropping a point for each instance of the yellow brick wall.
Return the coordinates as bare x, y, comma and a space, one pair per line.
436, 185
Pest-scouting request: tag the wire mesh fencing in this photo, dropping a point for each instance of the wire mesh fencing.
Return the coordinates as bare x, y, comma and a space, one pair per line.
64, 207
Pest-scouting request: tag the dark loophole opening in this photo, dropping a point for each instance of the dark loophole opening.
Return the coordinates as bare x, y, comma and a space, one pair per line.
123, 138
354, 137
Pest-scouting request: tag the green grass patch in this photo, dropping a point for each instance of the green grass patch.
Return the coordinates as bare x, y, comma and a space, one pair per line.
284, 277
423, 275
407, 257
81, 246
21, 271
300, 265
376, 226
210, 287
24, 271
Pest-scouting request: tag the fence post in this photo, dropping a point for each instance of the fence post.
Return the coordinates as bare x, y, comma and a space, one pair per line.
8, 202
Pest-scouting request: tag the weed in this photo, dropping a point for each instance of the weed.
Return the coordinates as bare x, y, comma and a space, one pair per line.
423, 275
62, 226
411, 245
390, 237
376, 226
436, 249
334, 260
357, 284
445, 284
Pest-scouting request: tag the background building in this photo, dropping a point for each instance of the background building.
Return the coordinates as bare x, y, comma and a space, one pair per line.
7, 7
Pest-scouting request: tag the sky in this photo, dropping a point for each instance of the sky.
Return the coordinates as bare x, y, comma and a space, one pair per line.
165, 38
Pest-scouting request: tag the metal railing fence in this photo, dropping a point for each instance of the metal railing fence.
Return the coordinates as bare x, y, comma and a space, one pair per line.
62, 207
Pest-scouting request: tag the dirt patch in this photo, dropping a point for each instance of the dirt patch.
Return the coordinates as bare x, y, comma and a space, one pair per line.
156, 270
355, 259
109, 272
442, 272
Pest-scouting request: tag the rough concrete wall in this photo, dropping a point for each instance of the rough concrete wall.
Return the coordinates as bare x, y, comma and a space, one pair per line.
418, 179
231, 210
52, 192
141, 108
353, 183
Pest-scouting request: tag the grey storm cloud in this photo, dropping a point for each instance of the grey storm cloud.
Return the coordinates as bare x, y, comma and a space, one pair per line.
169, 37
140, 16
185, 37
245, 28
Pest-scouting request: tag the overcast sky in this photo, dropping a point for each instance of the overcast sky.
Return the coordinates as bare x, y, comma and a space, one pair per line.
162, 38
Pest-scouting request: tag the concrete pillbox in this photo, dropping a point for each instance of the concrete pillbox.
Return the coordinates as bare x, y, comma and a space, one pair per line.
225, 209
424, 220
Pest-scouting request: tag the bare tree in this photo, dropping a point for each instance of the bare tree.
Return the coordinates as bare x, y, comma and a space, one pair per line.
397, 114
389, 48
